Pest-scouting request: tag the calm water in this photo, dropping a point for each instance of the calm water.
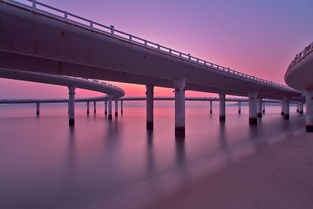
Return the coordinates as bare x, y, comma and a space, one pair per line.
118, 164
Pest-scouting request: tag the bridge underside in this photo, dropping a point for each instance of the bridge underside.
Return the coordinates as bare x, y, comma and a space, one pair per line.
44, 65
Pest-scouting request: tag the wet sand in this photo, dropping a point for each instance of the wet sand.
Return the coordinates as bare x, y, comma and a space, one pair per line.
278, 177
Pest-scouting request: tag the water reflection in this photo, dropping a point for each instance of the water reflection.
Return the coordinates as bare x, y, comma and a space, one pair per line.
107, 160
180, 152
111, 137
253, 136
223, 143
70, 172
150, 154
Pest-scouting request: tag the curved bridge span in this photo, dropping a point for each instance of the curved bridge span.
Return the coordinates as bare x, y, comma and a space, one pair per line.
113, 92
299, 76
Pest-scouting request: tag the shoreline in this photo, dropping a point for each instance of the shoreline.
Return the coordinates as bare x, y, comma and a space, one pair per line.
279, 176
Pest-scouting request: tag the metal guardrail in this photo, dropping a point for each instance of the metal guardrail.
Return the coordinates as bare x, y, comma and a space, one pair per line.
307, 50
40, 8
96, 81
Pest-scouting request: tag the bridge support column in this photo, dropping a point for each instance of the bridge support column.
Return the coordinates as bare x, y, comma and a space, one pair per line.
110, 108
37, 108
301, 108
309, 111
286, 110
94, 107
122, 107
149, 106
211, 107
71, 105
87, 108
239, 107
116, 108
180, 107
253, 108
222, 107
282, 108
105, 107
259, 108
263, 108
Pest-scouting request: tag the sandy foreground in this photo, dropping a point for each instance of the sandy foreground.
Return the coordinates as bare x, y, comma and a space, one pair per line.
278, 177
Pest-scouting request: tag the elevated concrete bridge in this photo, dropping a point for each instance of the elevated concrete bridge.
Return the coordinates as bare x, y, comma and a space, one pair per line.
299, 76
113, 92
58, 42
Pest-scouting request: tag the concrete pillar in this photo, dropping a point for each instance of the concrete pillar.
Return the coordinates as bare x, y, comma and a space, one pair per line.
94, 107
253, 108
263, 108
180, 107
211, 107
122, 107
37, 108
71, 105
282, 107
105, 107
309, 111
87, 108
116, 108
286, 110
239, 107
149, 106
301, 108
110, 108
222, 106
259, 107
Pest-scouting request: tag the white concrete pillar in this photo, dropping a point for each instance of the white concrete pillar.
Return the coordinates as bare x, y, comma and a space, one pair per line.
105, 107
253, 108
110, 107
71, 105
282, 107
180, 107
94, 107
122, 107
301, 108
239, 107
37, 108
309, 111
211, 107
149, 106
286, 109
222, 106
263, 108
259, 108
87, 108
116, 108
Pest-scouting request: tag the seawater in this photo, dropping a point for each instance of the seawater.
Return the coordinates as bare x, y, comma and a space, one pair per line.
45, 164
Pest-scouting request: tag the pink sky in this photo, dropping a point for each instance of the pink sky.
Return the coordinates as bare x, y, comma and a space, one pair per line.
255, 37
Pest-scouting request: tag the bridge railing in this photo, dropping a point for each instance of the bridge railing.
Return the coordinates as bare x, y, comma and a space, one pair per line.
38, 7
96, 81
307, 50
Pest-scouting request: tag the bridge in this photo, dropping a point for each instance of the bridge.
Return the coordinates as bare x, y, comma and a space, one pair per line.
299, 76
105, 99
59, 42
113, 92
